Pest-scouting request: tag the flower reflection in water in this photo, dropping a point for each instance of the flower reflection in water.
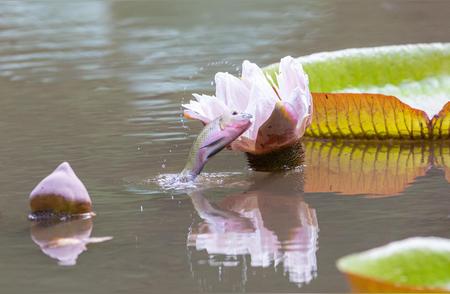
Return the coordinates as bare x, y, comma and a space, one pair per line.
64, 241
271, 228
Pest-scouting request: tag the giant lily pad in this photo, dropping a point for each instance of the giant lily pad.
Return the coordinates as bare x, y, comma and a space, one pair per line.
399, 92
411, 265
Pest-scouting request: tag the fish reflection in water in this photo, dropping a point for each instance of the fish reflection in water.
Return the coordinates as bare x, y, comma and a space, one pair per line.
64, 241
273, 229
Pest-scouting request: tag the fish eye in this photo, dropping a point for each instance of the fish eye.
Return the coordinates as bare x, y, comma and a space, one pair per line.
234, 113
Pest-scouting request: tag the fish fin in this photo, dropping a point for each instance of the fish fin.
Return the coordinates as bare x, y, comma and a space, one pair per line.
217, 150
213, 140
97, 239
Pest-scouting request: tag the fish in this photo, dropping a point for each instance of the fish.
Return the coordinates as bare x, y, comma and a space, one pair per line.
215, 136
220, 219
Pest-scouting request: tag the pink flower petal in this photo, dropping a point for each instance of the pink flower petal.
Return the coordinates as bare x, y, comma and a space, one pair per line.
212, 107
299, 102
262, 97
233, 91
196, 107
278, 130
194, 115
206, 108
260, 106
291, 76
243, 144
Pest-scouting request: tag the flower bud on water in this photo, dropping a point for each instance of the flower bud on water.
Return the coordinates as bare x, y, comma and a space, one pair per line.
61, 194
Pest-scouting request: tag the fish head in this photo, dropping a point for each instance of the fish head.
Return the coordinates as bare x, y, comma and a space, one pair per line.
234, 124
229, 128
216, 135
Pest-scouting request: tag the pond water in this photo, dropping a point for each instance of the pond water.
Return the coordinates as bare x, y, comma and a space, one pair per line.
100, 83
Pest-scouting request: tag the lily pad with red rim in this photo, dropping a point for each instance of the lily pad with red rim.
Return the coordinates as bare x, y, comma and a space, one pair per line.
390, 92
420, 264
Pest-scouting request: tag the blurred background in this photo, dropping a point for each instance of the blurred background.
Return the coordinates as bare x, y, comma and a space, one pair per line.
100, 84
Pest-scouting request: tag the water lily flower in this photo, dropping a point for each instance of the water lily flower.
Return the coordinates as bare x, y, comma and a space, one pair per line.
281, 107
60, 194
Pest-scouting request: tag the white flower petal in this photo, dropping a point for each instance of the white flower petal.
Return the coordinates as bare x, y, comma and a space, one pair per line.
291, 76
195, 107
206, 108
195, 115
302, 109
233, 91
253, 75
300, 103
260, 106
212, 106
262, 98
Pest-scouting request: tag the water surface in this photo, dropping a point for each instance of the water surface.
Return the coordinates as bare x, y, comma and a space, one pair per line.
99, 84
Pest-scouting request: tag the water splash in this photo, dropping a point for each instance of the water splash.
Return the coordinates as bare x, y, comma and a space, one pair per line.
174, 185
173, 182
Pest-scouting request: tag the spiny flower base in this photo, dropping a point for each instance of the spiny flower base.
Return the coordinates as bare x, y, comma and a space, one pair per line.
282, 159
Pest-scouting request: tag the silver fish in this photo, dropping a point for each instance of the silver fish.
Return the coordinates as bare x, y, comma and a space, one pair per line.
215, 136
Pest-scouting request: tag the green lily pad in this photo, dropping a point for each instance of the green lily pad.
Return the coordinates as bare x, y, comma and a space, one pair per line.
414, 264
390, 92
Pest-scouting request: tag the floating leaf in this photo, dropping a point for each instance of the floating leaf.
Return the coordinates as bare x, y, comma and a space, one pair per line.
366, 116
370, 168
441, 123
411, 265
380, 93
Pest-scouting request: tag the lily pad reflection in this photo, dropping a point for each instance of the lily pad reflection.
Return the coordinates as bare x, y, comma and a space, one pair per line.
370, 168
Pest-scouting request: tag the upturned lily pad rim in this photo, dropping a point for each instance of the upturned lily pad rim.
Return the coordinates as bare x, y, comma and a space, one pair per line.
383, 286
355, 75
431, 244
350, 64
